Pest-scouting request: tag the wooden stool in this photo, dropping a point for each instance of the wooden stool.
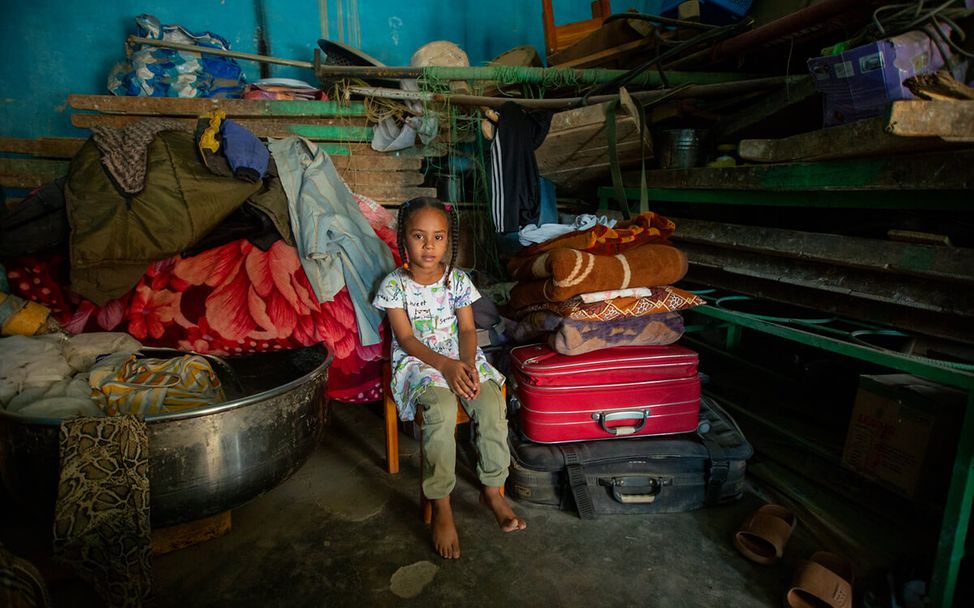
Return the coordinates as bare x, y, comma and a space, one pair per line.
391, 414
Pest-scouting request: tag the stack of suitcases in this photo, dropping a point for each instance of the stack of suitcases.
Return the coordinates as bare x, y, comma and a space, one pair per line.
620, 430
608, 414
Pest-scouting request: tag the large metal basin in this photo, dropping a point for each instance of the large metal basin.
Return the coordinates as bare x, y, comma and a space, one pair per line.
204, 461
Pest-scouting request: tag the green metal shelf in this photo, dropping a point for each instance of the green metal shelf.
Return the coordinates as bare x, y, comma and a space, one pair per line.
957, 509
828, 199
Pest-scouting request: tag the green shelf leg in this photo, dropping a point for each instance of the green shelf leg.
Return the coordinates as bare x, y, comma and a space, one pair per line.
957, 514
734, 337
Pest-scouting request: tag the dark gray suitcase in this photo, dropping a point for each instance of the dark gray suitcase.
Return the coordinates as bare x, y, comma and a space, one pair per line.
666, 474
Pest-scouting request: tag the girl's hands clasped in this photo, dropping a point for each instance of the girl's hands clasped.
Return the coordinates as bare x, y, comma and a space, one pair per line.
463, 378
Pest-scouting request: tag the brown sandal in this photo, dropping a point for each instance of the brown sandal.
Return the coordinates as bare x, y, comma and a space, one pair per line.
763, 535
825, 579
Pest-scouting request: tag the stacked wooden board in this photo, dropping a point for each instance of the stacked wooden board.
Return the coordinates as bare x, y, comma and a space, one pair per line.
341, 130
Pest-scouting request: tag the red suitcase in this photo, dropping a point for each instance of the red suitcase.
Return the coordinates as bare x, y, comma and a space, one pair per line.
626, 391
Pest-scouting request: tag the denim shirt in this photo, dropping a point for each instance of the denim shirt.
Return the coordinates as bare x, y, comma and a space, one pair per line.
336, 245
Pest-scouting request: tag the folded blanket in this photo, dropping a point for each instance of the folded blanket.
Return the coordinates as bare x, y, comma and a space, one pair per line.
570, 337
660, 299
600, 239
569, 272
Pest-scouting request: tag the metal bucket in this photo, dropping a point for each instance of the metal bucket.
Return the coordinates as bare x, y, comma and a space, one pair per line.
204, 461
681, 148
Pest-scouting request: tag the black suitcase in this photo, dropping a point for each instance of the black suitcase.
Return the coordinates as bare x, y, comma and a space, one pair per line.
666, 474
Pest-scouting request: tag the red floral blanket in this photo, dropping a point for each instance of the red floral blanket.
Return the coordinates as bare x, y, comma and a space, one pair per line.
229, 300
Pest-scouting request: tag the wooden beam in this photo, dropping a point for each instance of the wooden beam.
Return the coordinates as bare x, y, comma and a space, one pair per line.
769, 105
950, 120
607, 54
46, 147
938, 262
29, 172
394, 195
920, 172
933, 323
319, 129
377, 161
180, 536
861, 138
360, 179
174, 106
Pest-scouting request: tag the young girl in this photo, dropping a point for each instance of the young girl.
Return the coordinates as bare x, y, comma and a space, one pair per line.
435, 359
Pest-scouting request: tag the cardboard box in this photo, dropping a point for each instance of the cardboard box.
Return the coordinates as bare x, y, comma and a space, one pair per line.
903, 432
860, 82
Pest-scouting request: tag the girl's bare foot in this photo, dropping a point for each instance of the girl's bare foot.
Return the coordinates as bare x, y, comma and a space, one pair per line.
495, 501
445, 539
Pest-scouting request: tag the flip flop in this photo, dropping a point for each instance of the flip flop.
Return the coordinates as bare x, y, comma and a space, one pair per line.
763, 535
825, 579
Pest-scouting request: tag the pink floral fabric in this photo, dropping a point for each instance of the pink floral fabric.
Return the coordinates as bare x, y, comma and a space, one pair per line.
229, 300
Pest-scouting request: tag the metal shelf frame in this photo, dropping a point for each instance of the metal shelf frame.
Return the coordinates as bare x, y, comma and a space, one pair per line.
957, 509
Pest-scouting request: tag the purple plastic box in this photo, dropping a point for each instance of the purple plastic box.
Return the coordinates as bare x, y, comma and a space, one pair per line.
860, 82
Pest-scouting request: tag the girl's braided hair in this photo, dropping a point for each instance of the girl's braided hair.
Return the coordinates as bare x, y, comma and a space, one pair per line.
453, 223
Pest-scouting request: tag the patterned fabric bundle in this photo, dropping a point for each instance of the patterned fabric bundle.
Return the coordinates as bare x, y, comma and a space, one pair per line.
101, 518
662, 299
570, 337
645, 228
144, 387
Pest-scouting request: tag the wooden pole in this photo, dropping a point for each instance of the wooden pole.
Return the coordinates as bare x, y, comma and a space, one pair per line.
524, 74
192, 48
692, 91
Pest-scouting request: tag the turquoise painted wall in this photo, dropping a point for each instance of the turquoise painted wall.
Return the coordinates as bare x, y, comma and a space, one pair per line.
51, 48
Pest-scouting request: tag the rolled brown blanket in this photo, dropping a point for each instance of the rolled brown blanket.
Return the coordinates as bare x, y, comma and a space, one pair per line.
564, 273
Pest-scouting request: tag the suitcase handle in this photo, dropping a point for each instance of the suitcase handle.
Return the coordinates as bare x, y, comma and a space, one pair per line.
602, 418
618, 484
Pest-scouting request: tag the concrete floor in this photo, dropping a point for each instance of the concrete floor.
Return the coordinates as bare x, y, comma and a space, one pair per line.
342, 532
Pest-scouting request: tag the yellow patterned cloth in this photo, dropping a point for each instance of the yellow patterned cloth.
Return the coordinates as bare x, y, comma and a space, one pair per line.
19, 317
144, 387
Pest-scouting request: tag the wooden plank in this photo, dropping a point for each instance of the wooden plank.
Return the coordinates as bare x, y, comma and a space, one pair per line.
841, 282
582, 156
937, 262
326, 129
394, 195
365, 150
47, 147
173, 106
930, 171
769, 104
953, 328
607, 54
377, 162
30, 172
861, 138
564, 147
951, 120
357, 179
574, 157
578, 117
592, 165
180, 536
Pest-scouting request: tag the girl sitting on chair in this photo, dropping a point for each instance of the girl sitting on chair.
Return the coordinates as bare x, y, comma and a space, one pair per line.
435, 360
